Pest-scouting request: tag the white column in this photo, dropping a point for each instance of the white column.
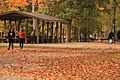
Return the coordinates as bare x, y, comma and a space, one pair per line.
33, 10
35, 23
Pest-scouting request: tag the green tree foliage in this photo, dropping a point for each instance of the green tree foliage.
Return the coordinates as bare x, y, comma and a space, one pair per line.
86, 16
83, 14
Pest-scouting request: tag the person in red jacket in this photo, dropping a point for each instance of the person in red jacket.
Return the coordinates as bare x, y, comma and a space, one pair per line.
22, 37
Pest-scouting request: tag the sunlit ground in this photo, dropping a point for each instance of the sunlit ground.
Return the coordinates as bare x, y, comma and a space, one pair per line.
63, 61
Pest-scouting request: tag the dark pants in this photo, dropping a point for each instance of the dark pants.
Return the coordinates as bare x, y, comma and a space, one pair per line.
22, 40
11, 42
32, 39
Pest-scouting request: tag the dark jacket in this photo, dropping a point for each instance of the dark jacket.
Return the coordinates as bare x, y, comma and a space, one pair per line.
11, 35
111, 35
118, 35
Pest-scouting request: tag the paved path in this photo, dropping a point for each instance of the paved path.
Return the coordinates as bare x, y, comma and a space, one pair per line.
75, 45
7, 77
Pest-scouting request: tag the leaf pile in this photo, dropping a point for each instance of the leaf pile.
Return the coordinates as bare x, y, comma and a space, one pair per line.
61, 64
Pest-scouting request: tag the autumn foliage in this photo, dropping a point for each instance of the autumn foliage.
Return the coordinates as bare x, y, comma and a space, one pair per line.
85, 63
19, 2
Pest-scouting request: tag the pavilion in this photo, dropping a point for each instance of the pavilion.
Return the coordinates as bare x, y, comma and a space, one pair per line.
18, 16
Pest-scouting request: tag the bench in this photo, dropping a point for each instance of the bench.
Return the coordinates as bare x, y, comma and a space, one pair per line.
103, 39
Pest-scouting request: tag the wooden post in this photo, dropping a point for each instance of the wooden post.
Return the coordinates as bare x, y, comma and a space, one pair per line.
15, 25
79, 34
4, 27
37, 30
63, 35
43, 31
52, 39
26, 27
26, 30
34, 23
60, 32
56, 30
10, 23
69, 32
47, 32
19, 24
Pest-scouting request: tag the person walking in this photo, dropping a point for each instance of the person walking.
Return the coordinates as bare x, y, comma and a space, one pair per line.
118, 36
11, 36
22, 37
111, 36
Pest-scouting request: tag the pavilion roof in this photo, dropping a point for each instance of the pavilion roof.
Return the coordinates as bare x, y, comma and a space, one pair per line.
16, 15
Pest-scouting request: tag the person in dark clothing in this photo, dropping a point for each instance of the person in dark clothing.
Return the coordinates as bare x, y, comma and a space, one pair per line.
111, 36
118, 35
11, 36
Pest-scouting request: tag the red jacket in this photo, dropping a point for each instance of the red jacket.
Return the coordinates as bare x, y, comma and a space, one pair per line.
22, 35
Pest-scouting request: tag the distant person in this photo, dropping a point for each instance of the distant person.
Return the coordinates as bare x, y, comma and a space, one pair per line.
118, 36
95, 35
11, 36
110, 37
22, 37
33, 36
91, 37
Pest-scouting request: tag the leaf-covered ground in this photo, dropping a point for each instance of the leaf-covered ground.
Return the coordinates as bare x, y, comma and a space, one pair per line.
66, 61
